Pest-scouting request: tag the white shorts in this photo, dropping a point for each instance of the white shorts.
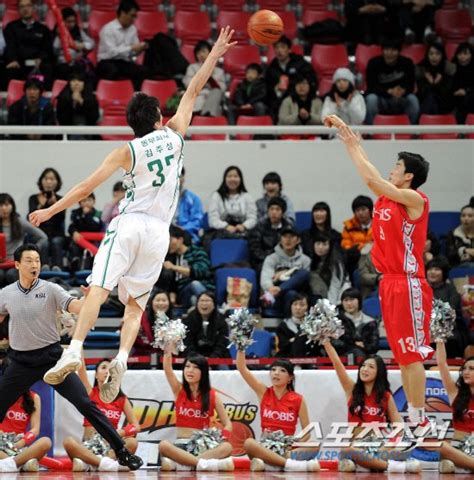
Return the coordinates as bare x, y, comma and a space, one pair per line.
131, 256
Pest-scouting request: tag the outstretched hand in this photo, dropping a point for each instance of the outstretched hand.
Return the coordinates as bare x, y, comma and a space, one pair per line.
39, 216
346, 134
223, 43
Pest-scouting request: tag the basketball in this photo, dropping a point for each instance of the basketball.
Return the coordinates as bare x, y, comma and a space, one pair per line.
265, 27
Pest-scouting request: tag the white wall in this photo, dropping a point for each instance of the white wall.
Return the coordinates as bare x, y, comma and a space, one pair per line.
311, 171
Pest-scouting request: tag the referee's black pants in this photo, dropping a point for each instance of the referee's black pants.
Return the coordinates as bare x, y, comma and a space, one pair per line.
26, 368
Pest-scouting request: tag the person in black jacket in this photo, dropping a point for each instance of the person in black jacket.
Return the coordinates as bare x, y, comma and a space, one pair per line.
390, 84
29, 46
250, 94
463, 81
77, 104
282, 71
207, 329
31, 109
265, 236
437, 275
361, 332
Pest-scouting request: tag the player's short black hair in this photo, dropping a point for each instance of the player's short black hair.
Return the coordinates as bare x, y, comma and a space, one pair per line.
27, 247
143, 111
127, 6
416, 164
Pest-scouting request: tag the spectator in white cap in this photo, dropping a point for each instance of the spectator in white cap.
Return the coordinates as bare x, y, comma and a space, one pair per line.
343, 99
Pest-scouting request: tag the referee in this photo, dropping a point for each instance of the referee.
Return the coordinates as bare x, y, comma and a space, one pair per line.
34, 340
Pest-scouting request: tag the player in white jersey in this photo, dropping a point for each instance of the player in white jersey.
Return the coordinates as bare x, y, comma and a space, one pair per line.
136, 242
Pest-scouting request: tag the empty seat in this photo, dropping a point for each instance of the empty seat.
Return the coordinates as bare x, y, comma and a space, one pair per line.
148, 5
228, 251
438, 120
371, 307
327, 58
415, 52
161, 89
311, 16
275, 5
97, 19
192, 26
115, 121
14, 91
150, 23
229, 5
187, 49
237, 58
208, 121
58, 87
290, 27
187, 5
363, 54
103, 5
315, 4
453, 25
113, 95
246, 120
391, 120
238, 21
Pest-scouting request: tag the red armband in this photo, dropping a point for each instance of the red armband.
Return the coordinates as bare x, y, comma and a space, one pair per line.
226, 434
29, 438
130, 430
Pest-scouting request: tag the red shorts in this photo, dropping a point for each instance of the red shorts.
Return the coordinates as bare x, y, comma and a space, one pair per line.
406, 304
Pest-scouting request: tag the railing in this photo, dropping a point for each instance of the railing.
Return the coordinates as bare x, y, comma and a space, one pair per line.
64, 131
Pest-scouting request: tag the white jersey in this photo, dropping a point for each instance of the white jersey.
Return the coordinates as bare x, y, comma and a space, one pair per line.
153, 182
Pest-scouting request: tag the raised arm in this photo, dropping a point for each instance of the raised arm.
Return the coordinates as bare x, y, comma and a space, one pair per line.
371, 176
182, 118
346, 382
118, 158
84, 378
173, 382
257, 386
448, 382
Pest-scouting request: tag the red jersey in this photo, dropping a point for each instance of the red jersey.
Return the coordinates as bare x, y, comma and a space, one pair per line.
16, 419
280, 414
113, 411
373, 412
399, 241
189, 412
467, 422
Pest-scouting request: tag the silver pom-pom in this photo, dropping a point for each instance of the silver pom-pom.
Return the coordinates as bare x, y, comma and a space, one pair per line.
97, 445
277, 442
321, 323
443, 317
169, 332
203, 440
467, 445
241, 325
7, 443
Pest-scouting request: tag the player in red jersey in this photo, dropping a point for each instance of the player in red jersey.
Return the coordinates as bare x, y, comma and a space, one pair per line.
369, 399
400, 225
280, 409
26, 451
461, 399
83, 458
195, 406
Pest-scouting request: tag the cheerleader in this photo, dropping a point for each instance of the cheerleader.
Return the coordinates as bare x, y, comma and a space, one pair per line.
280, 409
461, 399
369, 400
83, 459
195, 403
26, 451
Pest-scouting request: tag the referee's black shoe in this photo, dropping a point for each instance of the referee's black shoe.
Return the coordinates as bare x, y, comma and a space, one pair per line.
127, 459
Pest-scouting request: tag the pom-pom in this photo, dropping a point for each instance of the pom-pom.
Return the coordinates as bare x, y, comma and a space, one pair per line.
97, 445
169, 332
68, 323
7, 443
322, 323
241, 325
467, 445
203, 440
277, 442
443, 317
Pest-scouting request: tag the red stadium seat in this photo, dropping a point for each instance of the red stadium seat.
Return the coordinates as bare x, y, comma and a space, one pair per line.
238, 21
470, 121
237, 58
58, 87
115, 121
234, 83
275, 5
324, 85
230, 5
290, 27
311, 16
150, 23
295, 48
187, 49
148, 5
9, 16
451, 50
162, 90
245, 120
6, 264
315, 4
14, 91
190, 27
327, 58
438, 120
187, 5
113, 96
211, 121
103, 5
415, 52
363, 54
97, 19
453, 25
450, 4
391, 120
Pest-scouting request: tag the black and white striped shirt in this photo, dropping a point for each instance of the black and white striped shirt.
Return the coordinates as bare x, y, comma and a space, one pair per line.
33, 313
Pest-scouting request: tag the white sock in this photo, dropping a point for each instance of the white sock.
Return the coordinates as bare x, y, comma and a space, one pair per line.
75, 347
8, 465
208, 465
416, 414
122, 356
107, 464
295, 465
395, 466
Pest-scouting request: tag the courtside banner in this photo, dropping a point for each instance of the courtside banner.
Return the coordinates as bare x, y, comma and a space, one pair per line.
153, 403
